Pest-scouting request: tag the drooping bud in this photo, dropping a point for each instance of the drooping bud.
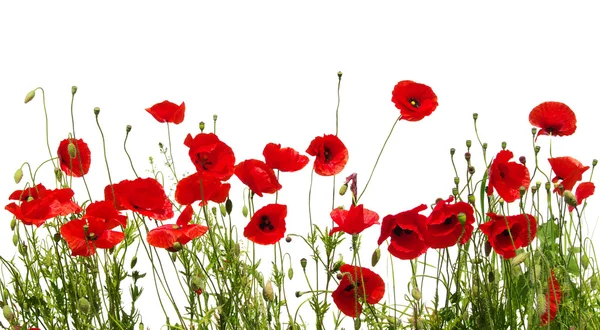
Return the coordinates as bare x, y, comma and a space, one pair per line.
133, 262
72, 150
201, 126
375, 257
15, 240
228, 206
288, 238
469, 143
268, 293
570, 198
18, 175
303, 262
416, 293
245, 211
29, 96
83, 305
96, 111
128, 128
522, 160
290, 273
343, 189
73, 90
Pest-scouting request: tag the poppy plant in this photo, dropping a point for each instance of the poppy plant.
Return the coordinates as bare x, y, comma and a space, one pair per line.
444, 228
168, 112
201, 187
84, 236
145, 196
267, 225
405, 230
415, 101
353, 221
74, 157
567, 169
331, 154
507, 177
583, 191
259, 177
39, 204
552, 300
166, 236
211, 155
553, 118
506, 234
283, 159
358, 284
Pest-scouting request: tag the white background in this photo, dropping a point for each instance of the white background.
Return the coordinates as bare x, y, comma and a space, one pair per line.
269, 70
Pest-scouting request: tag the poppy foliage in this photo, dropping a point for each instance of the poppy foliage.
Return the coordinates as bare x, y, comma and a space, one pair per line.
506, 234
507, 177
406, 233
38, 204
267, 225
168, 112
443, 227
553, 118
415, 101
283, 159
259, 177
353, 221
331, 154
79, 164
568, 170
211, 155
166, 236
358, 284
144, 196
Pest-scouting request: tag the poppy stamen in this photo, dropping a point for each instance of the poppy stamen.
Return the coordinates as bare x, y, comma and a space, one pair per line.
414, 102
265, 223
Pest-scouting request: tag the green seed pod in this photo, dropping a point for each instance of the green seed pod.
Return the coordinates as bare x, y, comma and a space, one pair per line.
469, 143
484, 146
128, 128
303, 262
594, 162
475, 116
522, 191
201, 126
503, 145
452, 151
73, 90
533, 131
339, 74
375, 257
455, 191
570, 198
462, 218
471, 199
18, 175
456, 180
96, 111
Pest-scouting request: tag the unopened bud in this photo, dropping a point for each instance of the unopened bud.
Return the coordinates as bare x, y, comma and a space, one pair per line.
13, 224
18, 175
469, 143
58, 174
343, 189
96, 111
8, 314
522, 160
288, 239
228, 206
484, 146
15, 240
201, 126
570, 198
488, 248
475, 116
83, 305
73, 90
141, 326
339, 276
223, 210
375, 257
452, 151
339, 74
128, 128
177, 247
290, 273
337, 265
537, 149
468, 156
585, 261
471, 170
214, 211
268, 293
533, 131
416, 293
456, 180
541, 303
72, 150
298, 294
133, 262
303, 262
245, 211
471, 199
503, 145
29, 96
594, 162
462, 218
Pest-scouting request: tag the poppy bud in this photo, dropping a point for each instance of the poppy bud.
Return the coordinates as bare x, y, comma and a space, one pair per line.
83, 305
468, 156
141, 327
537, 149
462, 218
594, 162
73, 90
471, 199
484, 146
503, 145
96, 111
547, 186
15, 240
522, 160
339, 276
570, 198
416, 293
452, 151
18, 175
475, 116
268, 293
340, 74
533, 131
214, 117
133, 262
303, 262
298, 294
501, 201
29, 96
469, 143
517, 260
375, 257
288, 239
57, 237
223, 210
22, 249
201, 126
228, 206
245, 211
488, 248
541, 303
455, 191
337, 265
534, 189
13, 224
585, 261
128, 128
522, 191
491, 277
456, 180
8, 314
214, 211
177, 247
471, 170
290, 273
72, 150
343, 189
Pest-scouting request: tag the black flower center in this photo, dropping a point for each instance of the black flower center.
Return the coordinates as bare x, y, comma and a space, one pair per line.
352, 286
327, 154
91, 237
448, 221
399, 231
203, 160
506, 232
414, 102
265, 224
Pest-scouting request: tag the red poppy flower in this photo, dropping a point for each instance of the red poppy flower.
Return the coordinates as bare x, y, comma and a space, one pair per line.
353, 221
105, 212
39, 204
506, 234
415, 101
567, 169
259, 177
358, 284
507, 177
553, 118
552, 300
80, 164
267, 225
168, 112
145, 196
443, 226
85, 236
284, 159
406, 232
211, 155
583, 191
203, 188
182, 232
331, 154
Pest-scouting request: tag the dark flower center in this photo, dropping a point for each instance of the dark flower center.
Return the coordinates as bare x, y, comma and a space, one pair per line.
414, 102
327, 154
352, 286
398, 231
265, 224
448, 221
91, 237
506, 232
203, 160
